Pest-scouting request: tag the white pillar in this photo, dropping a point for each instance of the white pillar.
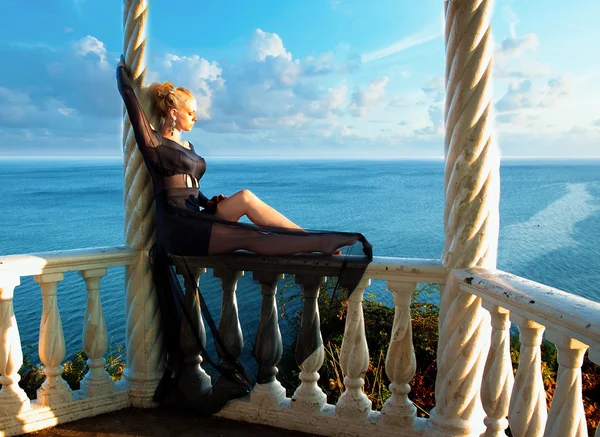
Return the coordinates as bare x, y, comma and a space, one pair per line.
400, 362
567, 416
12, 397
527, 411
95, 337
471, 218
145, 351
354, 404
498, 376
55, 390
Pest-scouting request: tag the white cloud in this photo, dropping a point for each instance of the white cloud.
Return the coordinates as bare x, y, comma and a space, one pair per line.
512, 47
434, 88
436, 117
364, 100
524, 94
401, 45
90, 44
199, 75
265, 44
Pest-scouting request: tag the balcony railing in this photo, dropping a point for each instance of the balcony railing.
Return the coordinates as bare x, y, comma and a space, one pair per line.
572, 324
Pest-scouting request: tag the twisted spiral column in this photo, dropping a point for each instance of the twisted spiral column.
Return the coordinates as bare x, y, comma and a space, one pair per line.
471, 221
145, 351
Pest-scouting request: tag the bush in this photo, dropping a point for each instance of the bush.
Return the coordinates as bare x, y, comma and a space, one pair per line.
74, 370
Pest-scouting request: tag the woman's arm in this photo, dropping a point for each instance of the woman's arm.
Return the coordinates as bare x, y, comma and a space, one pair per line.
144, 134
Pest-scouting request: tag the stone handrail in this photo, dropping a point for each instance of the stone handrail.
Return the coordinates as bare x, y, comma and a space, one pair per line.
56, 402
572, 315
571, 322
65, 260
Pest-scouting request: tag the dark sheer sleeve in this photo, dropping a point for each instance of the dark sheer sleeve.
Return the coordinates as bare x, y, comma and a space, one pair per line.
144, 134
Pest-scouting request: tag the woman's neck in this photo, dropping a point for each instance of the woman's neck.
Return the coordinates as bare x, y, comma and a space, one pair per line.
174, 135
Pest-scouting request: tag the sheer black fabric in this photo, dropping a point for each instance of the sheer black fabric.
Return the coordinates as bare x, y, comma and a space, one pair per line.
186, 225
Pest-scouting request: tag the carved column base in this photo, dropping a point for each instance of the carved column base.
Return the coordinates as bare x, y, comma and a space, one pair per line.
97, 382
353, 404
309, 396
54, 390
444, 427
399, 411
269, 395
495, 427
194, 380
141, 388
12, 401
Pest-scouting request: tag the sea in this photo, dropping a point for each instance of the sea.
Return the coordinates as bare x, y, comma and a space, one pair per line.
549, 223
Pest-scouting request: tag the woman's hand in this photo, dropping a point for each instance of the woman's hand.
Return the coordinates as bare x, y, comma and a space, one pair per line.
211, 205
122, 63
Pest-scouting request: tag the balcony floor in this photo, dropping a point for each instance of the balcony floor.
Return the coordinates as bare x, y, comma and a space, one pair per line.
160, 423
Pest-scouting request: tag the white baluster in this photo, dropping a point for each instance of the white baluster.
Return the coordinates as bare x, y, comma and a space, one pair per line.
95, 338
527, 411
498, 376
400, 363
54, 390
567, 416
354, 404
310, 352
12, 397
268, 391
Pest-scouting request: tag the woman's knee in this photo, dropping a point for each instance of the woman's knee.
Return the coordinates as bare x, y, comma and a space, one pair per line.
248, 196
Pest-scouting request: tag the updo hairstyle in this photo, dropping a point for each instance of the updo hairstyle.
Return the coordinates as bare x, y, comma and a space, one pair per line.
164, 97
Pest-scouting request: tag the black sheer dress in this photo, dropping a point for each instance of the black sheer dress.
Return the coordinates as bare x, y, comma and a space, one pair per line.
186, 225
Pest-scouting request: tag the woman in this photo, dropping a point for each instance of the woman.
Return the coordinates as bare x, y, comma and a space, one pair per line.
190, 224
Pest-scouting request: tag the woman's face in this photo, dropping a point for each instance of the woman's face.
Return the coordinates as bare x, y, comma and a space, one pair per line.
186, 116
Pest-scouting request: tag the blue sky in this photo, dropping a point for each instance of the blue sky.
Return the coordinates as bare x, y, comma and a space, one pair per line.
310, 78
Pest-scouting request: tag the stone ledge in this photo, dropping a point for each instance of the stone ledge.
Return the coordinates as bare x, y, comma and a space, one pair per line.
40, 417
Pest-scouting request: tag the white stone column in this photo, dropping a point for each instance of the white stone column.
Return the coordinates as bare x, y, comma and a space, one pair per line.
354, 404
400, 362
268, 391
13, 399
55, 390
310, 352
527, 411
145, 351
498, 376
471, 218
97, 381
567, 416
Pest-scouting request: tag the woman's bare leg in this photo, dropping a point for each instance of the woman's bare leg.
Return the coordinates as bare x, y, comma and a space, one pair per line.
246, 203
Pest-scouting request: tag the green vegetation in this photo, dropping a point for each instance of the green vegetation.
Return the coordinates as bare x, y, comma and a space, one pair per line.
32, 375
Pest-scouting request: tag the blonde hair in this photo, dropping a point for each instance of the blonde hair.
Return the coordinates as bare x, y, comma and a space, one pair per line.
164, 97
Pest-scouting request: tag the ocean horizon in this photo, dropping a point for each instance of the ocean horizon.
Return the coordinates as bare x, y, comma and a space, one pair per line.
549, 220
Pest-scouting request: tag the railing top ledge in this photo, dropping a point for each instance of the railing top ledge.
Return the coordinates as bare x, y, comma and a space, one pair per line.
65, 260
408, 269
567, 313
